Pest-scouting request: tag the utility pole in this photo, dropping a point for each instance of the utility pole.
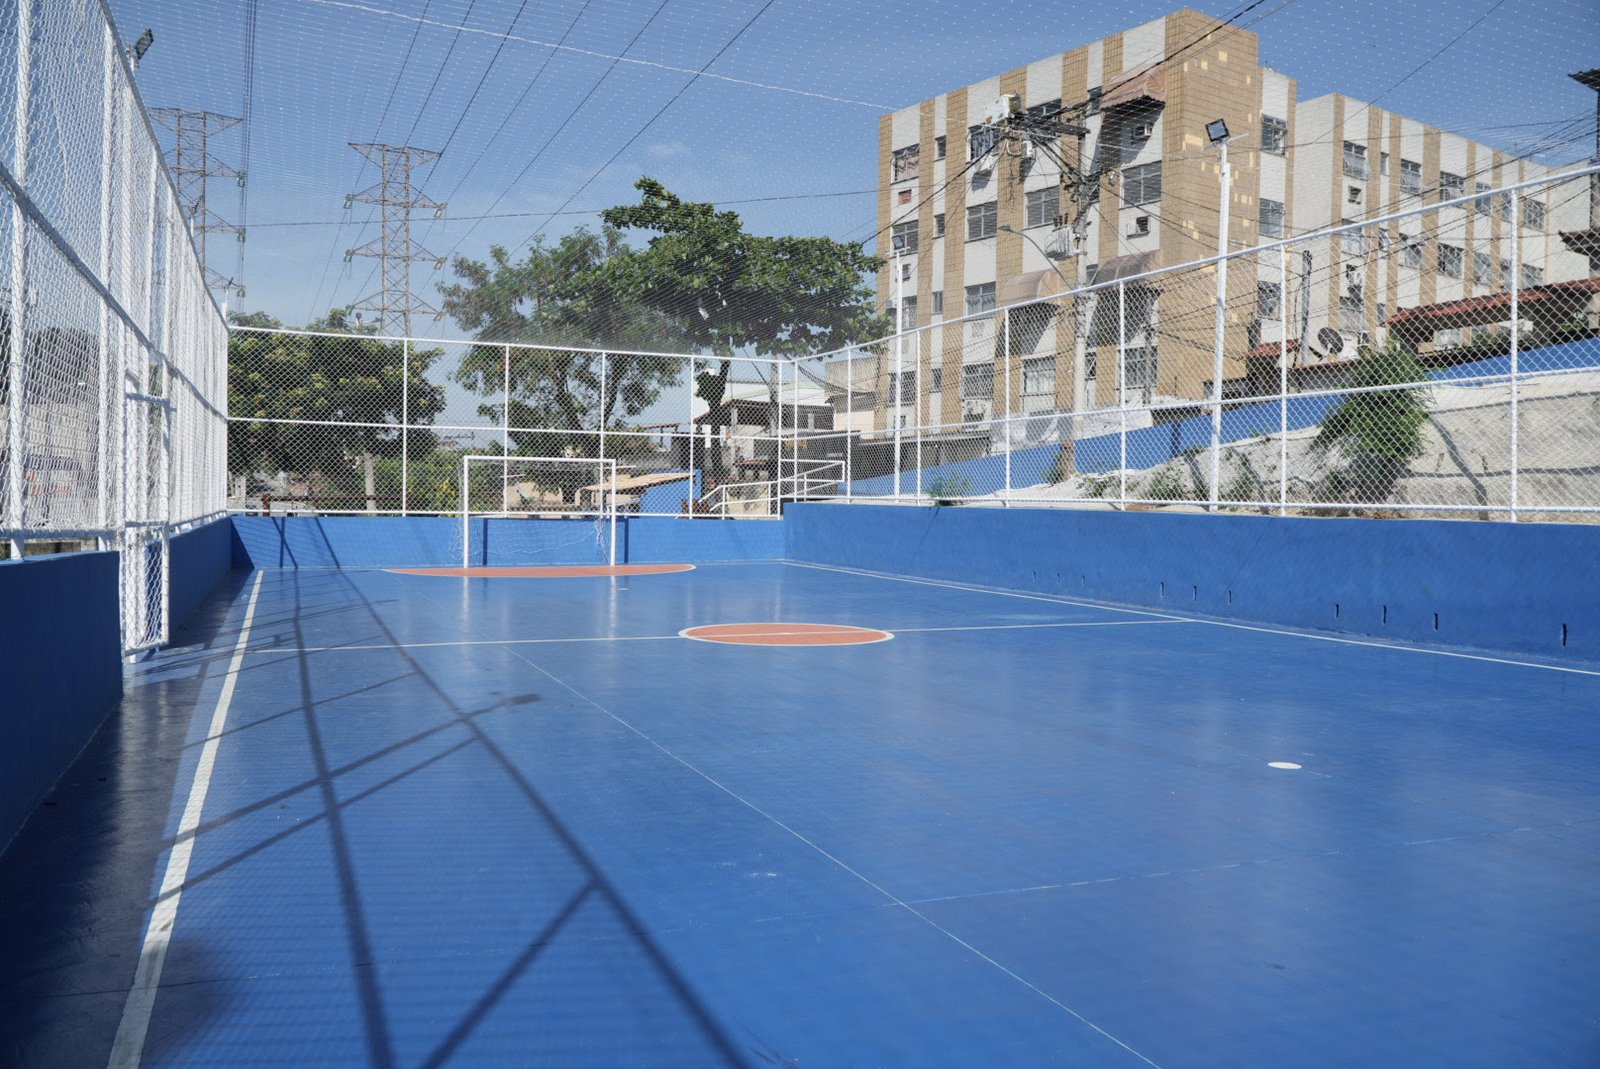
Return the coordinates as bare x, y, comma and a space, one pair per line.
1588, 242
194, 164
395, 250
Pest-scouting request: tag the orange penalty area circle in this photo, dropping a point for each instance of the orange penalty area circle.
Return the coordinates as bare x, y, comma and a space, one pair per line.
782, 634
549, 571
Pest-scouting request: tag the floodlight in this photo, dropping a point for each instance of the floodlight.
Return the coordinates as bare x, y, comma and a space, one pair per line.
141, 46
1217, 131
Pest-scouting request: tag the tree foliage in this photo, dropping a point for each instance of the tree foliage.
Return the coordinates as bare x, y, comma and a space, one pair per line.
356, 384
559, 296
1381, 424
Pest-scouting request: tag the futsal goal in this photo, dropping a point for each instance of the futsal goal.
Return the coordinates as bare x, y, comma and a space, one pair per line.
574, 500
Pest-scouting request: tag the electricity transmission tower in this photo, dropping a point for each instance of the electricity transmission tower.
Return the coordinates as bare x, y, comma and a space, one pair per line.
395, 249
193, 165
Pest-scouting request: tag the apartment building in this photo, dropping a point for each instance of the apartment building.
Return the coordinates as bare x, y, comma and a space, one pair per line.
1134, 185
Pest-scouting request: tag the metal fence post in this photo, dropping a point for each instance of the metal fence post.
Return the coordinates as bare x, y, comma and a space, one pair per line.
688, 422
1005, 425
602, 412
108, 378
849, 423
1516, 335
405, 426
1122, 390
505, 435
19, 284
1283, 381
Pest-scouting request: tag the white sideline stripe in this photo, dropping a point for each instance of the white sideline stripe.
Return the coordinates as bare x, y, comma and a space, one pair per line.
128, 1048
1053, 599
1064, 600
662, 638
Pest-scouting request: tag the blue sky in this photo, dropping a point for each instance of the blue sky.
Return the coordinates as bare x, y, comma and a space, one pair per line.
793, 113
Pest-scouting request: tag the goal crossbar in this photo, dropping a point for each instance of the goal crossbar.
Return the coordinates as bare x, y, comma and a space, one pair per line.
597, 498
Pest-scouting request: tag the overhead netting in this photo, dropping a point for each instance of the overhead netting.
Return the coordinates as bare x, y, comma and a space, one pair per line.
964, 253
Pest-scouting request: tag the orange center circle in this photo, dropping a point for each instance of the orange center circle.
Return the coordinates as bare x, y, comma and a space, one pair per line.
783, 634
549, 571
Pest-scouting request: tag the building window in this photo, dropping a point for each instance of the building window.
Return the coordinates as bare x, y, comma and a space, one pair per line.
977, 382
904, 196
939, 150
1505, 272
1383, 163
1482, 269
1350, 313
1410, 177
908, 315
1450, 260
1048, 110
1274, 135
905, 272
1383, 313
1139, 366
980, 298
1410, 251
1451, 186
1351, 242
938, 302
1142, 184
982, 140
1043, 205
904, 162
936, 380
1502, 203
1483, 204
1353, 195
1532, 276
1091, 364
938, 225
1039, 377
903, 391
1267, 297
982, 220
904, 240
1355, 160
1271, 218
1093, 104
1533, 213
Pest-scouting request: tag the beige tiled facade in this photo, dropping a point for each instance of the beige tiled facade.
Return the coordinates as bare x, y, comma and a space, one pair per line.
1199, 71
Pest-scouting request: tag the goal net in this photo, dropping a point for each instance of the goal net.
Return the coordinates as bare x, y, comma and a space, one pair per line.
571, 503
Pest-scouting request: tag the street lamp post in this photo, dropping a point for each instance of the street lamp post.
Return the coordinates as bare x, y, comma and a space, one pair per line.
899, 347
1217, 132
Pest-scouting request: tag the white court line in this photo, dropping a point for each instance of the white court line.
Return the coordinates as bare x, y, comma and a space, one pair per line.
663, 638
1053, 599
1064, 600
880, 889
128, 1048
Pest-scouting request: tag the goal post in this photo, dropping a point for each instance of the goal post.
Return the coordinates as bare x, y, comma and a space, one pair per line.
581, 491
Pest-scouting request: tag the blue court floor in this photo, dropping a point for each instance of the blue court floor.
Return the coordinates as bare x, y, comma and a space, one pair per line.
426, 821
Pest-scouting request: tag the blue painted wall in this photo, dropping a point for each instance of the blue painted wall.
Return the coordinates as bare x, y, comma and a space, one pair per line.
62, 666
435, 541
1499, 586
670, 497
200, 559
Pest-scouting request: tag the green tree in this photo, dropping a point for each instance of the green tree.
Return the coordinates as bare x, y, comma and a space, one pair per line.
558, 296
730, 291
1381, 430
348, 393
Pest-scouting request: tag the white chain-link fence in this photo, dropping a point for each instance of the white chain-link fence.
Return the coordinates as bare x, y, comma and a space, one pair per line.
1442, 360
333, 423
112, 381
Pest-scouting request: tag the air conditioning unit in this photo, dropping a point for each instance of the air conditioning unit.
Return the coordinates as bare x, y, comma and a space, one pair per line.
1008, 105
985, 164
1143, 131
1352, 275
1330, 344
1140, 226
